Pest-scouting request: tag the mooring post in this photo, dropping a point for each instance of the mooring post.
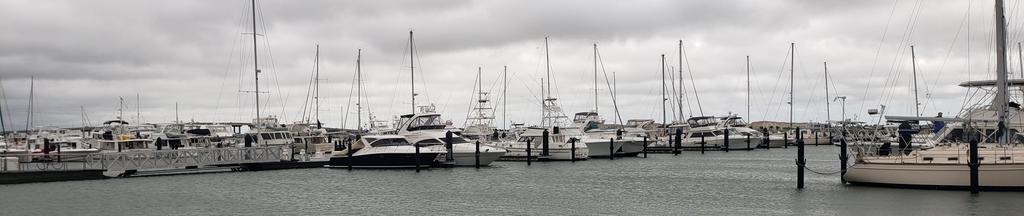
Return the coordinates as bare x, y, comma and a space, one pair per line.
477, 155
726, 136
611, 149
645, 147
748, 142
785, 140
417, 146
679, 142
842, 159
572, 150
450, 156
766, 140
973, 163
816, 138
702, 144
800, 162
349, 153
528, 152
544, 143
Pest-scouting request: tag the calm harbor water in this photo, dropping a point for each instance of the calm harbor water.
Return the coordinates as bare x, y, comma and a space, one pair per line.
759, 182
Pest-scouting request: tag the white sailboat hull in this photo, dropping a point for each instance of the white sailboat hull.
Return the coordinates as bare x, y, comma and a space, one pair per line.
938, 176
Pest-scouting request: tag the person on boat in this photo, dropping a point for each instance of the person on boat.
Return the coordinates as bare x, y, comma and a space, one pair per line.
905, 135
938, 125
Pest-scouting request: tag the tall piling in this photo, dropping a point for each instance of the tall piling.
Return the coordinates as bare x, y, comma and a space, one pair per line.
974, 164
800, 161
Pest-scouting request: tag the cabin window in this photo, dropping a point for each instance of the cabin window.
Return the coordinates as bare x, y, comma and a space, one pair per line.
389, 142
428, 142
1004, 158
266, 136
297, 140
952, 158
457, 140
928, 158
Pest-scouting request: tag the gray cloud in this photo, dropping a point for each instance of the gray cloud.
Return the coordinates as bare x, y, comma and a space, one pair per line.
87, 54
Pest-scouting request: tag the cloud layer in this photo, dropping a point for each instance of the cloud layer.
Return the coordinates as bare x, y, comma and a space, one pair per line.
87, 55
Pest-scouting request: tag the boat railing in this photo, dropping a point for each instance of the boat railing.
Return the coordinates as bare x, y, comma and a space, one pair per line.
139, 160
947, 154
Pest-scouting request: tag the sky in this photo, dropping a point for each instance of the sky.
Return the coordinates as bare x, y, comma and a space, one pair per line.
192, 60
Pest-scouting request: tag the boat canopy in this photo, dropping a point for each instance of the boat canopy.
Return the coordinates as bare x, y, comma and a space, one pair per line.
987, 83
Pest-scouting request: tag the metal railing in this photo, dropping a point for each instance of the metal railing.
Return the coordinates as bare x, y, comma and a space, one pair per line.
142, 160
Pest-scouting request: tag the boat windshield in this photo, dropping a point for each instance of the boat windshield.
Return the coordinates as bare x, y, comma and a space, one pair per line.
430, 142
426, 122
389, 142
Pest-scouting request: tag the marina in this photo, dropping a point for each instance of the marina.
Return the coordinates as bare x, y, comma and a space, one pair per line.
573, 120
716, 183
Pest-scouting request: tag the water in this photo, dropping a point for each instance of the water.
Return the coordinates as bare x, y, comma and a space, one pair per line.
761, 182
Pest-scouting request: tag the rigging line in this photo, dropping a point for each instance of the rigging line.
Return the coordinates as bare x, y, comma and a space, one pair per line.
398, 76
693, 84
775, 87
309, 93
878, 51
348, 105
672, 94
422, 76
273, 65
227, 67
811, 97
473, 94
895, 70
611, 92
967, 92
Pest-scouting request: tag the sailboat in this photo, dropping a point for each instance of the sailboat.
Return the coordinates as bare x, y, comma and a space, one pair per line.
948, 164
561, 135
599, 136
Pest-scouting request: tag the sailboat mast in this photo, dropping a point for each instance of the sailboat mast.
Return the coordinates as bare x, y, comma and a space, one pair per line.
31, 101
1001, 98
359, 90
316, 85
792, 59
748, 87
1020, 57
138, 108
120, 108
595, 77
828, 109
412, 73
547, 57
543, 106
664, 117
679, 102
913, 63
255, 62
504, 97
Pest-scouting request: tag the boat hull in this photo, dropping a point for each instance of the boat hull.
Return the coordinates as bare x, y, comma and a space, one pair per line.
384, 160
599, 148
937, 176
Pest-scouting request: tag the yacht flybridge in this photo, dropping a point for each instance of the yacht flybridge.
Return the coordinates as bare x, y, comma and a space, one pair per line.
1000, 155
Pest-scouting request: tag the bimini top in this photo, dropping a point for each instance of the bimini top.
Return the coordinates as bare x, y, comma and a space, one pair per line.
115, 121
987, 83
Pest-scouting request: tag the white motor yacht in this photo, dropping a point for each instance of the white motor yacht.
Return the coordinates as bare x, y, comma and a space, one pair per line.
383, 151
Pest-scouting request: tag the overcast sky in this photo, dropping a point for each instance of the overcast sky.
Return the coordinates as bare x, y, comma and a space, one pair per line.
84, 55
